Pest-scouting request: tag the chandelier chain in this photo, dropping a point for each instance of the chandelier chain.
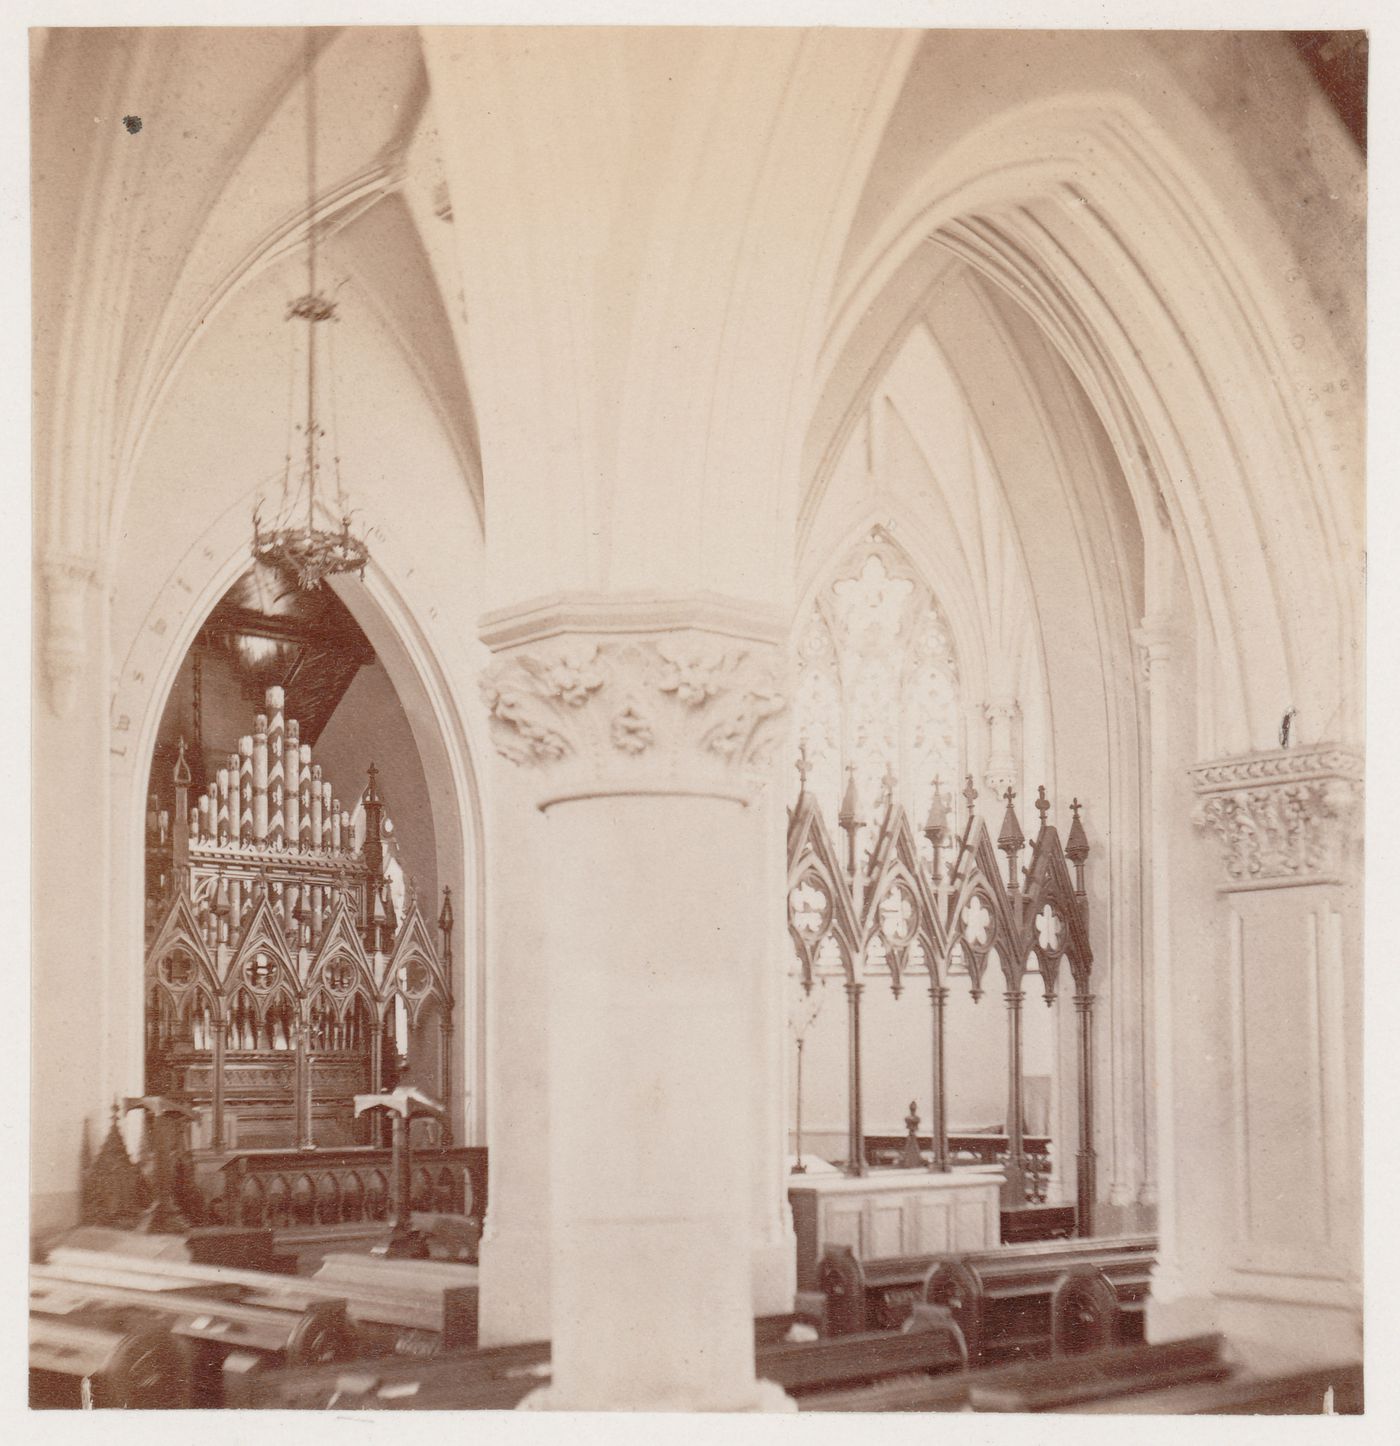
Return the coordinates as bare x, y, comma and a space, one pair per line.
308, 553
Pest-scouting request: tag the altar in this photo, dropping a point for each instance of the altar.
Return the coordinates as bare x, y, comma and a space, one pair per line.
894, 1212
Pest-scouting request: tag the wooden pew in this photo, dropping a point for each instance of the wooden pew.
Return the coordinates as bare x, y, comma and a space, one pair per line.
454, 1284
499, 1379
138, 1369
934, 1346
1005, 1300
389, 1316
1074, 1383
1054, 1298
1023, 1224
869, 1295
415, 1276
217, 1336
1298, 1392
492, 1380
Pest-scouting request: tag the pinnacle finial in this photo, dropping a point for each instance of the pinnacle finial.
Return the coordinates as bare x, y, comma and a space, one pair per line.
937, 820
804, 767
182, 768
849, 815
970, 794
887, 783
1077, 845
1011, 837
1042, 805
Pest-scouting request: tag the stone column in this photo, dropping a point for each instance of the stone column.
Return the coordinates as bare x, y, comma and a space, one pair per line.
514, 1251
646, 726
1154, 642
774, 1246
1281, 1260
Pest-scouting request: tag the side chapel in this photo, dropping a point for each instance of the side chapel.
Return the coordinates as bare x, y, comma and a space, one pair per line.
728, 658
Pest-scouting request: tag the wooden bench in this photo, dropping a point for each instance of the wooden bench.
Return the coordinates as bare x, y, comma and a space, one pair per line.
1069, 1384
389, 1312
140, 1368
1067, 1297
500, 1379
492, 1380
216, 1336
933, 1345
1005, 1301
1023, 1224
869, 1295
1310, 1391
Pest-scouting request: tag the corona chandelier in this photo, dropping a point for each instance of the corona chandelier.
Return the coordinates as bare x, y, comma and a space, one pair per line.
296, 545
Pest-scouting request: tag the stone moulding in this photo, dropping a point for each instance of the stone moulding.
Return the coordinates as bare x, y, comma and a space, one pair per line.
66, 581
1283, 819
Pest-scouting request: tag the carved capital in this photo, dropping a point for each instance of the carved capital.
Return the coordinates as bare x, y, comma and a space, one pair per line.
610, 696
1282, 818
65, 581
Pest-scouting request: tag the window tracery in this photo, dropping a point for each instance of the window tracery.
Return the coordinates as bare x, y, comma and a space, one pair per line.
877, 683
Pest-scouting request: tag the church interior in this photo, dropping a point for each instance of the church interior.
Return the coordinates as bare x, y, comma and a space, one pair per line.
707, 689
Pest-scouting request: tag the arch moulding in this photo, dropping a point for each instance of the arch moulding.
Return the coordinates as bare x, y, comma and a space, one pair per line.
417, 650
1121, 250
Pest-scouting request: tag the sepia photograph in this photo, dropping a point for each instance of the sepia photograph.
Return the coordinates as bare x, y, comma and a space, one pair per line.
698, 716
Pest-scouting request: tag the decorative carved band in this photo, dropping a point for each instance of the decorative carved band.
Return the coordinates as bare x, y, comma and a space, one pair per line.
66, 581
1284, 817
633, 709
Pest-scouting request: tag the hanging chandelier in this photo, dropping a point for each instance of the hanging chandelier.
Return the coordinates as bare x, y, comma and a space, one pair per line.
299, 543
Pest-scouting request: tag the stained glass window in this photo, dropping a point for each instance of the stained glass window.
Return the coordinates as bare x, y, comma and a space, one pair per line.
877, 684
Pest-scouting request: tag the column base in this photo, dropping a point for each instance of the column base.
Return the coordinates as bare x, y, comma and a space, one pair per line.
761, 1396
774, 1275
1172, 1315
1273, 1334
514, 1266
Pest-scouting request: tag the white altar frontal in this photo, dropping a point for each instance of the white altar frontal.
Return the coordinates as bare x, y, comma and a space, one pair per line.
894, 1212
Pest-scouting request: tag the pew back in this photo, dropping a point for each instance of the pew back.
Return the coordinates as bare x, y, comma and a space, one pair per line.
379, 1303
139, 1369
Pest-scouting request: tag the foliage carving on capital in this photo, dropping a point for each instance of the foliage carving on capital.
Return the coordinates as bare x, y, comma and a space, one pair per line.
685, 709
522, 735
631, 731
1281, 818
693, 674
574, 676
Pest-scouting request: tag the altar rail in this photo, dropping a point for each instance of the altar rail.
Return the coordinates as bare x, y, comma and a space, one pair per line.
287, 1189
884, 1151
